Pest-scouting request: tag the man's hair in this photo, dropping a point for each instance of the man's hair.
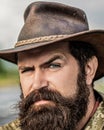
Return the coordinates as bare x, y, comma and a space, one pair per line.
82, 52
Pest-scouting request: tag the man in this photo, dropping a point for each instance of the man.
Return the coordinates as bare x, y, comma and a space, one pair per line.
58, 59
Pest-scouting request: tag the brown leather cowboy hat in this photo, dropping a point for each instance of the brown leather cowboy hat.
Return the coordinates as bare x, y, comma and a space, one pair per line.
48, 23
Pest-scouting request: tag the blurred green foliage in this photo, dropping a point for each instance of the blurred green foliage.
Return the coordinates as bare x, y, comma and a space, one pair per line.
2, 69
8, 76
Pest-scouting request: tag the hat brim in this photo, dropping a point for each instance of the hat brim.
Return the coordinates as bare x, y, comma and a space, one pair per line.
94, 37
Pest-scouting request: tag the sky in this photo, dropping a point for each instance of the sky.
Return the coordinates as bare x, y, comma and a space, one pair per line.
11, 17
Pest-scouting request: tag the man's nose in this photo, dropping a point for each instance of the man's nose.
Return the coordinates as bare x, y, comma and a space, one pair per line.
39, 79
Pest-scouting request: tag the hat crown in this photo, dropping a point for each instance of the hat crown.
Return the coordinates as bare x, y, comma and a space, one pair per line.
49, 18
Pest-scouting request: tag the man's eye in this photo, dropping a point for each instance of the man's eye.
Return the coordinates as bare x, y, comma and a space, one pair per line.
23, 71
27, 70
53, 66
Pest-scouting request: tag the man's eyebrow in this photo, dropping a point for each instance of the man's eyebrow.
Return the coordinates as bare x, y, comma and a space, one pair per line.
25, 67
51, 60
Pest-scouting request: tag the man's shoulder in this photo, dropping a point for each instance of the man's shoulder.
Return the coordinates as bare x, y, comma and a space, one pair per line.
97, 120
14, 125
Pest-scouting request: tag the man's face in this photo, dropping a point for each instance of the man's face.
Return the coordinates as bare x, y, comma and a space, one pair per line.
52, 74
51, 66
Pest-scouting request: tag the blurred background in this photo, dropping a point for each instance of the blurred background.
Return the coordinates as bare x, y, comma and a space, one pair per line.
11, 21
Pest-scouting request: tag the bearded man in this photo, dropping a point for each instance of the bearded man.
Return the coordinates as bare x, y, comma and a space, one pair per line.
58, 59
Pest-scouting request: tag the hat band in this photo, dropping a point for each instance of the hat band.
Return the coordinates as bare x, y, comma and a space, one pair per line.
40, 39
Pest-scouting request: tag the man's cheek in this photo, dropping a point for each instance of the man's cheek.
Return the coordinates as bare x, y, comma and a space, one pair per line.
25, 89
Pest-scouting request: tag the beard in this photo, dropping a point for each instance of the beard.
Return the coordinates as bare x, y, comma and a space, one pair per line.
60, 113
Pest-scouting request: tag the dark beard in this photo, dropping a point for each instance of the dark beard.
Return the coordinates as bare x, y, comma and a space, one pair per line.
63, 115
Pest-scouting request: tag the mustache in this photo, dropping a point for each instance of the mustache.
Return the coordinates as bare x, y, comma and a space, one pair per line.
44, 94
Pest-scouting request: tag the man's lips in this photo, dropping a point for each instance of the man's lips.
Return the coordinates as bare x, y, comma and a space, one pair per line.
44, 102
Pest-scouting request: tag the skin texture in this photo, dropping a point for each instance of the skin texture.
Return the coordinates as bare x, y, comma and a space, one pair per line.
55, 74
54, 67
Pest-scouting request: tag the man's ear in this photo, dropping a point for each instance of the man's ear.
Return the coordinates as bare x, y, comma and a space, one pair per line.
90, 69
